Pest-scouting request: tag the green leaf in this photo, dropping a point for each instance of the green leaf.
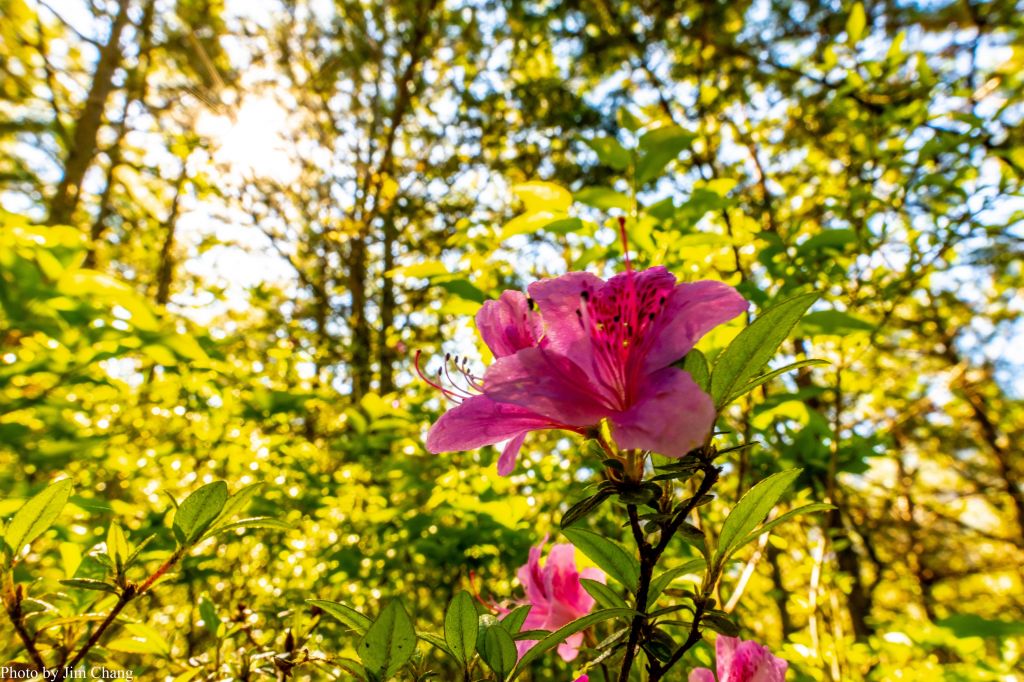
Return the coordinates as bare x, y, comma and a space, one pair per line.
543, 196
697, 365
238, 502
463, 289
833, 323
608, 555
658, 147
117, 546
609, 152
208, 612
603, 198
765, 378
660, 583
498, 650
88, 584
782, 518
584, 508
343, 613
602, 594
389, 643
254, 522
513, 621
971, 625
437, 642
36, 516
828, 239
856, 23
560, 635
750, 511
754, 346
198, 511
720, 622
461, 626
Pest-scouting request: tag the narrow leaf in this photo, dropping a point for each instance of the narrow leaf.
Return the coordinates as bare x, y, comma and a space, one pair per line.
754, 346
560, 635
584, 508
765, 378
605, 596
660, 583
461, 627
343, 613
782, 518
750, 511
36, 515
610, 556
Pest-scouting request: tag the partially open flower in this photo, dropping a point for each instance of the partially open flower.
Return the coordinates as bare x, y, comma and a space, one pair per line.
742, 661
555, 595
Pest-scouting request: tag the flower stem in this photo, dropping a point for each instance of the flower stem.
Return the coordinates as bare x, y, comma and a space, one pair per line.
649, 557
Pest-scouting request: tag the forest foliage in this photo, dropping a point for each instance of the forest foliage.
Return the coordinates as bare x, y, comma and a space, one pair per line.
230, 231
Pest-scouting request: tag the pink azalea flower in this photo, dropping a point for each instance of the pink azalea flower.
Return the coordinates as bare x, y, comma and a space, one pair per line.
581, 350
582, 678
742, 661
555, 595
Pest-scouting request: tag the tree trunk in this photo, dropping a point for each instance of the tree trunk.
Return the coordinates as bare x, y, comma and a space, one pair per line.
83, 144
137, 82
165, 268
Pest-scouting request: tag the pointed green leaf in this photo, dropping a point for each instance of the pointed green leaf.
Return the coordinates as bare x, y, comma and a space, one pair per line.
782, 518
36, 515
198, 511
697, 365
750, 511
657, 148
661, 582
343, 613
460, 626
560, 635
765, 378
498, 650
117, 546
389, 642
754, 346
608, 555
605, 596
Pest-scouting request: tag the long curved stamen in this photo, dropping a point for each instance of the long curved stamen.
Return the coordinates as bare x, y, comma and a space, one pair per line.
472, 384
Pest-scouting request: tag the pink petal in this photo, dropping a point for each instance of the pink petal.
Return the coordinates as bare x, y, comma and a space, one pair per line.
725, 651
752, 662
671, 417
701, 675
507, 461
508, 324
582, 678
480, 421
558, 300
547, 384
570, 648
692, 310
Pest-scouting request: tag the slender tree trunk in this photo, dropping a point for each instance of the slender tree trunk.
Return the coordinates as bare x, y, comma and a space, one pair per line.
137, 82
361, 332
387, 309
83, 144
165, 268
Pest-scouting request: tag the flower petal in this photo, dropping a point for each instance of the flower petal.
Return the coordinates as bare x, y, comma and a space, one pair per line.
558, 300
691, 311
507, 461
547, 384
671, 417
701, 675
570, 648
480, 421
508, 324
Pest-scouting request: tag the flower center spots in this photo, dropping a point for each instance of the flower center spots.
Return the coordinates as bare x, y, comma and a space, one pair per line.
618, 318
